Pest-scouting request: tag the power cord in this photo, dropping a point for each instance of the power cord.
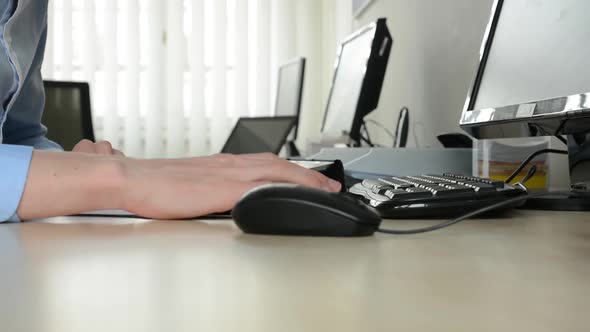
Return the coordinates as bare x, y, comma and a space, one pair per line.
531, 158
367, 138
389, 132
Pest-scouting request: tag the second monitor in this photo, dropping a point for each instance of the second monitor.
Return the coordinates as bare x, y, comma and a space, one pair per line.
358, 78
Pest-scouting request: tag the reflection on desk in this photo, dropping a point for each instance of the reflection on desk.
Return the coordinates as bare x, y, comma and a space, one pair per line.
528, 273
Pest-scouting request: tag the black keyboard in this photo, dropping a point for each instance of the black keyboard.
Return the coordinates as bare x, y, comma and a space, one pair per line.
432, 196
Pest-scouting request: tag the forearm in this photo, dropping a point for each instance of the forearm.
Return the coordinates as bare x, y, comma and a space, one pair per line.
68, 183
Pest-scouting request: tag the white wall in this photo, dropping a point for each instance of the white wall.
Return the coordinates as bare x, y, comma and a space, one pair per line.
432, 64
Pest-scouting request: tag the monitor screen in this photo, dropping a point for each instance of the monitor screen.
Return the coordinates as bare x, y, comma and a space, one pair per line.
348, 81
259, 135
540, 50
289, 89
63, 115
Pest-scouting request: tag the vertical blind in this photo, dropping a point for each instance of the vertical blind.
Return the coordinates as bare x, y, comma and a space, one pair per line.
169, 78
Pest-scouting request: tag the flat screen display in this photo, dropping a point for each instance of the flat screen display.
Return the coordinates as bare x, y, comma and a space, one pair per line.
289, 90
540, 50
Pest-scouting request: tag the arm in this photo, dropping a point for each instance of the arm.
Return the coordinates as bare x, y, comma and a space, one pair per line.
69, 183
15, 162
23, 122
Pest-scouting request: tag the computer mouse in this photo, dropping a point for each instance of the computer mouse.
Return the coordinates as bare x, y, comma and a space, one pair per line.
282, 209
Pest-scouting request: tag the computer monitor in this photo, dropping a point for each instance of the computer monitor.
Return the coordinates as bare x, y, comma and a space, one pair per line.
402, 129
290, 91
259, 135
533, 78
358, 78
67, 113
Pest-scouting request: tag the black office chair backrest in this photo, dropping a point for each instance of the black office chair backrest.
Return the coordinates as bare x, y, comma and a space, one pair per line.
403, 129
68, 114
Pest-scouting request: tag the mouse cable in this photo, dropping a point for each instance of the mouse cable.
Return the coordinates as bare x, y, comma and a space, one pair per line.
471, 214
529, 159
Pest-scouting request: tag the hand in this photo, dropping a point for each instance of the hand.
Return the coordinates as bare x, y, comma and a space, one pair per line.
185, 188
101, 148
61, 184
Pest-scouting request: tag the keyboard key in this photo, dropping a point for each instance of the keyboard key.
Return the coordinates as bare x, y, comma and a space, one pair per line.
383, 189
397, 184
373, 183
418, 193
361, 190
485, 188
460, 189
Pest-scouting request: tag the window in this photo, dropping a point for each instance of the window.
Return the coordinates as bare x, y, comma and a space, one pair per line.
171, 77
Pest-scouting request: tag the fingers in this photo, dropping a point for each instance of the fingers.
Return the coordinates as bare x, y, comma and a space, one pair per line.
101, 148
104, 148
85, 146
289, 173
285, 170
266, 167
118, 153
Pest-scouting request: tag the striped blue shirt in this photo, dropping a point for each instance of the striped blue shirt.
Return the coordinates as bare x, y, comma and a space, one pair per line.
23, 32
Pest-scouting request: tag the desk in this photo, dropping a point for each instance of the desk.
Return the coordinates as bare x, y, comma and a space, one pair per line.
527, 273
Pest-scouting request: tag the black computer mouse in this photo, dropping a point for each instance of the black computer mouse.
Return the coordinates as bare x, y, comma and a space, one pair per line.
282, 209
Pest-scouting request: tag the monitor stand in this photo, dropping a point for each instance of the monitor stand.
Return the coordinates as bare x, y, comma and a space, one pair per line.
292, 150
579, 164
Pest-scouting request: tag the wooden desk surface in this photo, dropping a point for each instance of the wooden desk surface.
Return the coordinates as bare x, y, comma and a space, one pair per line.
527, 273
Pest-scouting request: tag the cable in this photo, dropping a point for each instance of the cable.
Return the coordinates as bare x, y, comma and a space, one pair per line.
529, 159
563, 140
529, 175
366, 139
370, 141
470, 215
389, 132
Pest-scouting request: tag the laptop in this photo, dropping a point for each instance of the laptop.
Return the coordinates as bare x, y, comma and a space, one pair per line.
259, 135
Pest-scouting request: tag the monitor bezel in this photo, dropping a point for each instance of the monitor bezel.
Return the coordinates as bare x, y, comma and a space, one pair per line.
546, 117
301, 62
375, 53
262, 118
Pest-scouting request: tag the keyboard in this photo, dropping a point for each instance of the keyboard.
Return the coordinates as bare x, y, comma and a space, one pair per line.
432, 196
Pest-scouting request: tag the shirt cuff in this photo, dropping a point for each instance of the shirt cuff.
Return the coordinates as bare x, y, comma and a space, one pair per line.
15, 161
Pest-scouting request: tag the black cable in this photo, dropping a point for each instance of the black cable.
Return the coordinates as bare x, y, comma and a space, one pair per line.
529, 159
470, 215
556, 134
529, 175
563, 140
389, 132
367, 139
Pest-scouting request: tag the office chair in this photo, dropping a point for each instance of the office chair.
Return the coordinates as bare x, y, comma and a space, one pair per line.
403, 129
68, 114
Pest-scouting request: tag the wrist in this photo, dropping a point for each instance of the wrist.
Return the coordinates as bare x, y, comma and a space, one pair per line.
109, 183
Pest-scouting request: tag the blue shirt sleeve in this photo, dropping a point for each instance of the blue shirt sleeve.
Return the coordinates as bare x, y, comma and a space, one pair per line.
15, 161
